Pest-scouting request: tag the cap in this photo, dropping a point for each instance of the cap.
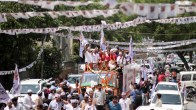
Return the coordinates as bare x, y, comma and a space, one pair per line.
69, 96
62, 93
39, 92
74, 101
29, 91
57, 96
85, 95
123, 93
45, 105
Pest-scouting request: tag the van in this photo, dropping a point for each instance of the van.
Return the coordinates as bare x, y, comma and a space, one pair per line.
188, 78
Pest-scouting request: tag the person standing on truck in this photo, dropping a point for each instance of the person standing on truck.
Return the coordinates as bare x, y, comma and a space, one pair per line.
100, 97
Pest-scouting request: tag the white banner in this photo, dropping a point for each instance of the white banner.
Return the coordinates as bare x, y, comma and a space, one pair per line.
4, 97
15, 91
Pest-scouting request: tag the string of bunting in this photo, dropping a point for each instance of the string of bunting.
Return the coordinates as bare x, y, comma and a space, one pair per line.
56, 14
98, 28
28, 66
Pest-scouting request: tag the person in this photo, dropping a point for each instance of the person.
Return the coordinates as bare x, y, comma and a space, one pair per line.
145, 91
81, 96
121, 60
38, 100
84, 102
136, 97
17, 105
56, 104
28, 102
124, 102
9, 106
100, 97
45, 106
158, 101
51, 96
114, 105
74, 103
90, 105
161, 77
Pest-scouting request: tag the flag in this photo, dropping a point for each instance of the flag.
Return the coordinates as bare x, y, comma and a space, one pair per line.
102, 41
16, 83
83, 43
4, 97
131, 50
151, 65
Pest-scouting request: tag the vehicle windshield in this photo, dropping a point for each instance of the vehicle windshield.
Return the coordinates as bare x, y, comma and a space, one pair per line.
166, 87
169, 99
72, 80
92, 77
25, 88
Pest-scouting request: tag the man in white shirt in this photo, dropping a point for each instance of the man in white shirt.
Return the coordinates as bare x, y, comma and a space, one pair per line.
28, 102
158, 101
74, 103
9, 106
121, 60
100, 97
90, 105
56, 104
125, 102
51, 96
17, 105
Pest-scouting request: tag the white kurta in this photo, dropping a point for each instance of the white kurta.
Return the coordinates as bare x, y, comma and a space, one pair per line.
19, 107
125, 103
27, 103
88, 107
7, 108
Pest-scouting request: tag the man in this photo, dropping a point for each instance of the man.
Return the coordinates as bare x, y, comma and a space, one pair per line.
100, 97
145, 91
9, 106
161, 76
158, 101
56, 104
114, 105
81, 96
28, 102
90, 105
17, 105
121, 60
51, 96
136, 97
74, 103
125, 102
84, 102
38, 100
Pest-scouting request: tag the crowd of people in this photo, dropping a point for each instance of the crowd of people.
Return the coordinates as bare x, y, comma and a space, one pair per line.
60, 96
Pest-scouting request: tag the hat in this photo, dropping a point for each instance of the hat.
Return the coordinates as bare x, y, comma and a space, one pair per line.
62, 93
45, 105
123, 93
29, 91
85, 95
52, 88
74, 101
39, 92
57, 96
69, 96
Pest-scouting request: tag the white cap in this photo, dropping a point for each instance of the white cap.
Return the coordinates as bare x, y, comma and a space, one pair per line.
62, 93
45, 105
85, 95
39, 92
29, 91
74, 101
52, 88
57, 96
123, 93
69, 96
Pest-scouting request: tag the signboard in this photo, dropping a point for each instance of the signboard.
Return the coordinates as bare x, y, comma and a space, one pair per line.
4, 97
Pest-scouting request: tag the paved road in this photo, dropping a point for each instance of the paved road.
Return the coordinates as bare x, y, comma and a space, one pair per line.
191, 106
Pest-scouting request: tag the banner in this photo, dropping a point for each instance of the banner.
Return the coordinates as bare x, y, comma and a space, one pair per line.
56, 14
4, 97
16, 83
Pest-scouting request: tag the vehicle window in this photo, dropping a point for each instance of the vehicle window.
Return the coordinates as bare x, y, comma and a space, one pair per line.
25, 88
166, 87
186, 77
169, 99
43, 85
194, 77
73, 80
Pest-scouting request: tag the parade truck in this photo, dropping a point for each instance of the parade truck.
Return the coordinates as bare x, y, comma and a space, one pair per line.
108, 78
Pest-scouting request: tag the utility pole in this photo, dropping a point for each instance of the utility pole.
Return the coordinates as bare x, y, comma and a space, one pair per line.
42, 58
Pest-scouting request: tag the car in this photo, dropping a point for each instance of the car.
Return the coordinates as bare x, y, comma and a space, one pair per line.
171, 99
188, 78
72, 78
35, 85
152, 108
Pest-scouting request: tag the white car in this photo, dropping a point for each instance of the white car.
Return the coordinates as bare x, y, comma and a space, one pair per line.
152, 108
34, 84
170, 99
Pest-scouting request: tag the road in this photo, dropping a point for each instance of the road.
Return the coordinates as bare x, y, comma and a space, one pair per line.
191, 106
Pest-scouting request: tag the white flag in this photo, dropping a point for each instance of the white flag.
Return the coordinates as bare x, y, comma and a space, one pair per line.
131, 50
16, 83
4, 97
103, 41
83, 43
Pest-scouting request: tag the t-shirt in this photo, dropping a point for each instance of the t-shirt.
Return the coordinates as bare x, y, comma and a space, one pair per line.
161, 77
113, 106
100, 97
88, 107
55, 105
68, 106
88, 57
125, 103
158, 103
